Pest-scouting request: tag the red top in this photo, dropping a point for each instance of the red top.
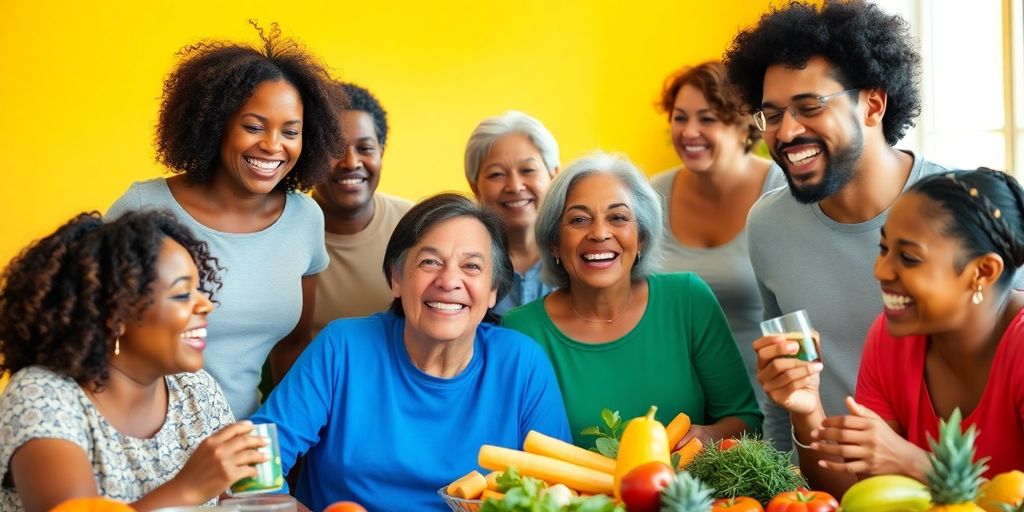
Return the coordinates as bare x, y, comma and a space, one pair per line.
891, 383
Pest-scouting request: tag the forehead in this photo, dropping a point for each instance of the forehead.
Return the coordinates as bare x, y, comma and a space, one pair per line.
689, 96
274, 96
916, 217
357, 124
456, 236
598, 191
173, 261
782, 82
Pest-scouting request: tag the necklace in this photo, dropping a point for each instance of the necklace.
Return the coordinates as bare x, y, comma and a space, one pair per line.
629, 302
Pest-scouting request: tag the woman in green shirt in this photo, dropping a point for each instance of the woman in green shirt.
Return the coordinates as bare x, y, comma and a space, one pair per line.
617, 336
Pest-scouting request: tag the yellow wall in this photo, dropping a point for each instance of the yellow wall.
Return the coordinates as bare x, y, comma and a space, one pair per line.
81, 82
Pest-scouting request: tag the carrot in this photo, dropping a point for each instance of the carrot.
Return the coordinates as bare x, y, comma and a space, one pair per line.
469, 486
550, 447
550, 470
677, 429
492, 494
492, 480
688, 452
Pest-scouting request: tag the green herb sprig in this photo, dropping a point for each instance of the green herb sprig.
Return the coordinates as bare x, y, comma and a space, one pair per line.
607, 442
525, 494
753, 467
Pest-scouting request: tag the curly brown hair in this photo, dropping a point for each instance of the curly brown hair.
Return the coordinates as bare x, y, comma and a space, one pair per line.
725, 101
65, 298
212, 82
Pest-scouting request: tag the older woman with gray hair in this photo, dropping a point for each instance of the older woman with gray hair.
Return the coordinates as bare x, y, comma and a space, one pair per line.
390, 407
510, 160
618, 336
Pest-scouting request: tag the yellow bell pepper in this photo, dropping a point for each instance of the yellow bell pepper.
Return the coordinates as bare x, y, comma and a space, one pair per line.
643, 441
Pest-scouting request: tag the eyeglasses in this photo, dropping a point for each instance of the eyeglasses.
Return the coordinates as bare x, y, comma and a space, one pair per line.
768, 119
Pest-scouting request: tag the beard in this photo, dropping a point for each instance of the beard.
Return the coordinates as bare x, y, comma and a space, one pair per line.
840, 168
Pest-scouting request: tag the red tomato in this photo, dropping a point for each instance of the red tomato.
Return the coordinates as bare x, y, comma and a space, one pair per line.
344, 506
803, 500
738, 504
641, 487
728, 443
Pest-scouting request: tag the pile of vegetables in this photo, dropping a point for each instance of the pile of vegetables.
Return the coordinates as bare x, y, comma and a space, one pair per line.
748, 467
526, 494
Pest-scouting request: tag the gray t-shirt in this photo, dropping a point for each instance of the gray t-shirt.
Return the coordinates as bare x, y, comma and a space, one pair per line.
805, 260
261, 297
726, 269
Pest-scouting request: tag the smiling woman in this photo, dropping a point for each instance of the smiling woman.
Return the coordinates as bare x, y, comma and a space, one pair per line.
663, 337
245, 129
437, 379
104, 327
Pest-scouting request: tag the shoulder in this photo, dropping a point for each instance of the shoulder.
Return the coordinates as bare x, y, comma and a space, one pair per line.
195, 383
509, 344
149, 193
770, 210
38, 382
662, 181
396, 203
303, 204
884, 349
680, 288
366, 330
526, 314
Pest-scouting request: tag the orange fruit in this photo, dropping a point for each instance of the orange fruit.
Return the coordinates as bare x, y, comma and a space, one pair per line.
92, 504
344, 506
1003, 488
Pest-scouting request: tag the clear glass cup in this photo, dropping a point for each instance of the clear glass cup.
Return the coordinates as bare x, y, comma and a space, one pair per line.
261, 503
796, 327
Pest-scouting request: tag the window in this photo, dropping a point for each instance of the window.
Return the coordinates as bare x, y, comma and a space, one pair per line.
972, 83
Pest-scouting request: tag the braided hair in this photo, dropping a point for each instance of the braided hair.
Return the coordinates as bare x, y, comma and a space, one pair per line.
985, 212
65, 298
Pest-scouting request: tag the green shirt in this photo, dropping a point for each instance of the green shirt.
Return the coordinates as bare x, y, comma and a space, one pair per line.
680, 356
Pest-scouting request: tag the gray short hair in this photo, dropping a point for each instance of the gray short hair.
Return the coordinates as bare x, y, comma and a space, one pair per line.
646, 207
493, 128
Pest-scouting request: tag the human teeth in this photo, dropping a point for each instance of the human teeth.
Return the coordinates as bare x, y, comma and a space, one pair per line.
802, 155
445, 306
892, 301
351, 181
194, 333
266, 165
599, 256
517, 204
694, 149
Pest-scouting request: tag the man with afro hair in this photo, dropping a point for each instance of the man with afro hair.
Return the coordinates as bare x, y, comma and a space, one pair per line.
833, 87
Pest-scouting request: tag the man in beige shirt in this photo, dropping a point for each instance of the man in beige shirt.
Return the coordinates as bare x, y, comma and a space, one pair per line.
357, 219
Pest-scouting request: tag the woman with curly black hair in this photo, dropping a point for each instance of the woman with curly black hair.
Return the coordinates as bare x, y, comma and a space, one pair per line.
245, 130
833, 87
103, 327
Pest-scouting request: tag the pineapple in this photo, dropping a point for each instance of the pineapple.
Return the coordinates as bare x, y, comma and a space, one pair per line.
686, 494
955, 477
1006, 507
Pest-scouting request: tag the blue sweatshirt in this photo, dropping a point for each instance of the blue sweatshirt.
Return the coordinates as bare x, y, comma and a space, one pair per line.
380, 432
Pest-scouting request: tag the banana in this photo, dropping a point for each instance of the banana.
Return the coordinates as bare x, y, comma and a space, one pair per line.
886, 493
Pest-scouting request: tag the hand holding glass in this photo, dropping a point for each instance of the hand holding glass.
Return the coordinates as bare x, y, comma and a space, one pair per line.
796, 327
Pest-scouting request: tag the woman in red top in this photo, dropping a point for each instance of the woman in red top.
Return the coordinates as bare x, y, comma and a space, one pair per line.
950, 336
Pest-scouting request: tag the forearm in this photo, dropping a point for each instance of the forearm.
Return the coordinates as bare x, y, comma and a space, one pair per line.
171, 493
729, 426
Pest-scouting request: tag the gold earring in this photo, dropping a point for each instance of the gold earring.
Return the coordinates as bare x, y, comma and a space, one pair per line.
117, 346
977, 297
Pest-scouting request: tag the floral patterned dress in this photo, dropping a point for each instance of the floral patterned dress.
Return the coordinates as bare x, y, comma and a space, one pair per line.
39, 403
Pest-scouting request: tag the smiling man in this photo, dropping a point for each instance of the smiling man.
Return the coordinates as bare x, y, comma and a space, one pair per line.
833, 88
358, 220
